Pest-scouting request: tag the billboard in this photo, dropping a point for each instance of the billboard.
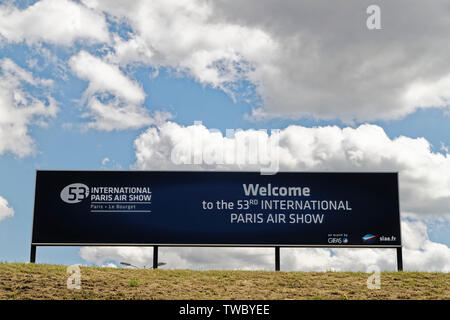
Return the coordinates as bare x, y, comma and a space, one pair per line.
216, 208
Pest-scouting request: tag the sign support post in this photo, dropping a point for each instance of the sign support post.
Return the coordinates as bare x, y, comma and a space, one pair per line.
277, 258
155, 257
399, 259
33, 254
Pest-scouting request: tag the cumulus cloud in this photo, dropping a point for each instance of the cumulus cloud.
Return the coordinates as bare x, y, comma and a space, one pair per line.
108, 164
311, 58
19, 108
330, 65
54, 21
185, 36
307, 58
424, 175
138, 256
6, 211
115, 101
419, 254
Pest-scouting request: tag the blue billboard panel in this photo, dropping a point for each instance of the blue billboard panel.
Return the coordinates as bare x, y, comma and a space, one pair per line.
216, 208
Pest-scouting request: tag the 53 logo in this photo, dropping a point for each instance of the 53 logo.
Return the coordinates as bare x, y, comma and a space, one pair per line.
74, 193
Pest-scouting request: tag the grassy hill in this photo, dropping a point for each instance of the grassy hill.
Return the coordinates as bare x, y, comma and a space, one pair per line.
40, 281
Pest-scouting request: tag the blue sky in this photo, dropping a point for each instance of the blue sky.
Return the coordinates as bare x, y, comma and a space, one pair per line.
173, 80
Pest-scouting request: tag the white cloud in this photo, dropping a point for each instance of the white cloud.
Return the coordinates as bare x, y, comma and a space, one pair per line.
305, 58
19, 109
105, 78
424, 176
54, 21
330, 65
419, 254
429, 93
135, 255
115, 101
109, 164
109, 265
6, 211
105, 161
187, 37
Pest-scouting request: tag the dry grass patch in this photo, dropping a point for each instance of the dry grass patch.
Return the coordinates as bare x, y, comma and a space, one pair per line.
39, 281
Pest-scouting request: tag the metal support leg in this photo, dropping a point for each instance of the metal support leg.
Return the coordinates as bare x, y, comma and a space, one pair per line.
277, 258
33, 254
399, 259
155, 257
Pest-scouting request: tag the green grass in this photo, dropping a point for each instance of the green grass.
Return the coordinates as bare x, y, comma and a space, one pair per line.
134, 282
40, 281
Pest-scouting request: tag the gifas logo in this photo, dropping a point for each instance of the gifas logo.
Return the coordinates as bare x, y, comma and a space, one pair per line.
74, 193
